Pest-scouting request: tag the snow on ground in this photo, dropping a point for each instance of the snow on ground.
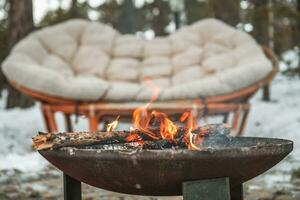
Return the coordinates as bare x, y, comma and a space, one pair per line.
279, 118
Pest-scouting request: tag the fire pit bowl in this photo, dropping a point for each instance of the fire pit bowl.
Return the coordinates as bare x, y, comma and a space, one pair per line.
162, 172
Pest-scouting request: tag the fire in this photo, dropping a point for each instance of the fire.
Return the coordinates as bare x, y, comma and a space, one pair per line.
143, 117
113, 125
141, 120
191, 125
168, 129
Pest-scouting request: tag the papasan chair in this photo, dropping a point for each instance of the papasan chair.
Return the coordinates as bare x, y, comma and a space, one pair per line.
88, 68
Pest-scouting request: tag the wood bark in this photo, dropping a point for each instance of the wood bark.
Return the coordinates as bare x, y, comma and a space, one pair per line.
20, 23
67, 139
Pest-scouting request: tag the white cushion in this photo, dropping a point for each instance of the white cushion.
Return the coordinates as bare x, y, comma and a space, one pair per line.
190, 74
100, 35
84, 60
31, 47
192, 56
55, 63
90, 60
56, 40
128, 46
157, 47
123, 69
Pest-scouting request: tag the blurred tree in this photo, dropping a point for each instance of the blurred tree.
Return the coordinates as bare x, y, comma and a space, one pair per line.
261, 22
127, 18
77, 10
178, 11
74, 12
126, 22
297, 41
285, 26
161, 16
196, 10
3, 41
228, 11
20, 23
110, 12
298, 23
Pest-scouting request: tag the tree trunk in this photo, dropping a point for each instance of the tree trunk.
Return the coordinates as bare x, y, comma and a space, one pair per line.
3, 46
261, 31
197, 10
126, 21
20, 23
162, 19
298, 33
261, 22
228, 11
74, 9
298, 10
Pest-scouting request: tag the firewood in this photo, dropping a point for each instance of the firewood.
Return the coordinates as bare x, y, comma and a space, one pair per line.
64, 139
80, 139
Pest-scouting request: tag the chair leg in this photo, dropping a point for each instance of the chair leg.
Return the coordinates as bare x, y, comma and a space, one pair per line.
235, 121
45, 118
49, 118
93, 123
225, 117
68, 122
243, 122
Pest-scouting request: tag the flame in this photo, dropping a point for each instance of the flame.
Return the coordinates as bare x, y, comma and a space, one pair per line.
143, 116
113, 125
191, 126
168, 130
133, 137
184, 116
141, 120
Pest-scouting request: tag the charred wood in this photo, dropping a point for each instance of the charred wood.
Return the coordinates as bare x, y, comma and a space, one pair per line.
98, 139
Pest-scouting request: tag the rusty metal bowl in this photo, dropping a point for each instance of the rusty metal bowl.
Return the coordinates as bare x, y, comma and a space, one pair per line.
162, 172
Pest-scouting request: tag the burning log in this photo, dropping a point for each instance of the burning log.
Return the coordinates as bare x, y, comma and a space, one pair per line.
66, 139
81, 139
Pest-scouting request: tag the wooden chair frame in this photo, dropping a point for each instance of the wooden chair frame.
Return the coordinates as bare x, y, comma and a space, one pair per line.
96, 112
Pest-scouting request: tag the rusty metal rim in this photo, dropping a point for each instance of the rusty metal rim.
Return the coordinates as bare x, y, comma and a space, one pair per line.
182, 153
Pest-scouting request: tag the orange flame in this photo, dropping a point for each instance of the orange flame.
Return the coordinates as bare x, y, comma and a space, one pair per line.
142, 117
141, 120
113, 125
168, 129
184, 116
191, 125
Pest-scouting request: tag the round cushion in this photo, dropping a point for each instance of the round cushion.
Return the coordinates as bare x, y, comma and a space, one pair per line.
82, 60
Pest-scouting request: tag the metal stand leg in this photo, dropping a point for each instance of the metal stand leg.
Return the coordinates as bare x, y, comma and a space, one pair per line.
236, 192
213, 189
72, 188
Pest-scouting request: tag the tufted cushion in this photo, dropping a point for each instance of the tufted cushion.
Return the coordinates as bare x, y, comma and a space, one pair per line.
84, 60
